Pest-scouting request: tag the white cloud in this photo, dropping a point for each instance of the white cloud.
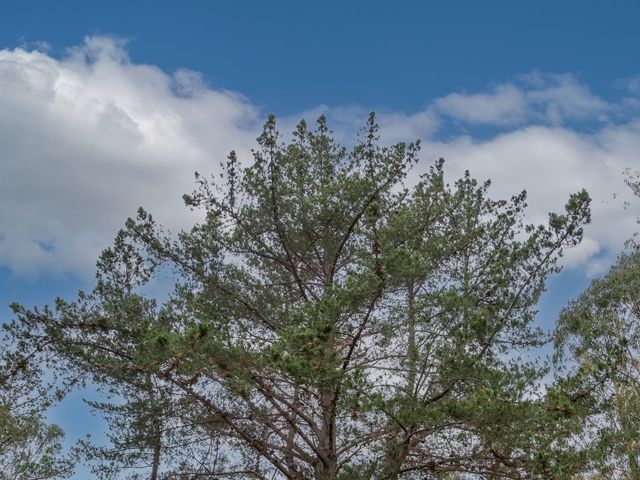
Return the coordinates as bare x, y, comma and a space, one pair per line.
539, 98
86, 139
631, 84
505, 105
562, 97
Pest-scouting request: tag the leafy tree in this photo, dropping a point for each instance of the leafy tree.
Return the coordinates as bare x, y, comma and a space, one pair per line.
149, 430
30, 449
600, 333
328, 322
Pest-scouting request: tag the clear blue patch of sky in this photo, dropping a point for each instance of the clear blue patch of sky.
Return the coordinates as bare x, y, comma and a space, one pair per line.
560, 288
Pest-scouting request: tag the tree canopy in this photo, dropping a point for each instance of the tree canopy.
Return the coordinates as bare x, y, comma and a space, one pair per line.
599, 333
331, 318
30, 449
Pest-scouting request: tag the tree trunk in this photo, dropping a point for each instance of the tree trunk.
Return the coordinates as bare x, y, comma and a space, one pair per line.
156, 454
327, 468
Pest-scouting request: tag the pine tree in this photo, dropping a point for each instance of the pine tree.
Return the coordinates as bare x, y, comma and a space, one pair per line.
329, 322
599, 333
30, 449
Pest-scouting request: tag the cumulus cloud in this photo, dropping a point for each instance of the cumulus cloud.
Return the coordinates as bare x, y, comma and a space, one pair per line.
505, 105
536, 97
87, 138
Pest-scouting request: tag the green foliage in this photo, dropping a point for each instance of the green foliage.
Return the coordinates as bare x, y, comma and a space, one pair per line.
326, 322
600, 332
30, 449
599, 336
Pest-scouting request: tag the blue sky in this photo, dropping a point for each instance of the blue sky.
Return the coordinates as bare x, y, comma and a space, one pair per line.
287, 55
105, 106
